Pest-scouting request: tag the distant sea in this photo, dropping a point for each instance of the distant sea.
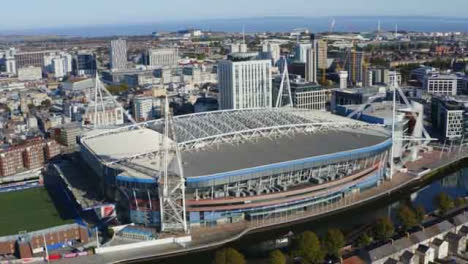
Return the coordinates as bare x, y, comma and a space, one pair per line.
261, 24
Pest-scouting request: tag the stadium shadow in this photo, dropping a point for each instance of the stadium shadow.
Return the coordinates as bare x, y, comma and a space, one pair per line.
63, 202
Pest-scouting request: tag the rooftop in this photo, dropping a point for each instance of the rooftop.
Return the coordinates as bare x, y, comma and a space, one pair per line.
224, 141
264, 151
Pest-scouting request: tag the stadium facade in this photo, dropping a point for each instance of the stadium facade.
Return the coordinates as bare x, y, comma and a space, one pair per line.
240, 164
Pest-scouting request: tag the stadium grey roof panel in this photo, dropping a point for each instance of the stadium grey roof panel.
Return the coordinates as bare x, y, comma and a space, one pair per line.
264, 151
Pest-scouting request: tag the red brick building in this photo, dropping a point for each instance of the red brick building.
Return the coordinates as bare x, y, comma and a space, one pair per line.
30, 155
24, 246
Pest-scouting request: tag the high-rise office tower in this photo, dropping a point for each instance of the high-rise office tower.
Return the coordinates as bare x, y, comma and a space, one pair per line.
118, 54
311, 65
84, 63
301, 51
244, 82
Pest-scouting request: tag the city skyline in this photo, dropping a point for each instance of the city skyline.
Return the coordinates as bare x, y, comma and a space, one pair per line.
102, 13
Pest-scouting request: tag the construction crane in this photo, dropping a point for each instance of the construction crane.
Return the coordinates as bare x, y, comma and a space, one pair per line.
332, 26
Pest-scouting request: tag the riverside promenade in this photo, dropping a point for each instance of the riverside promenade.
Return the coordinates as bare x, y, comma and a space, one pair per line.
205, 238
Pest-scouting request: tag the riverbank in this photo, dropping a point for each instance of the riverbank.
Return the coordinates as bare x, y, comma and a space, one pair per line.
210, 238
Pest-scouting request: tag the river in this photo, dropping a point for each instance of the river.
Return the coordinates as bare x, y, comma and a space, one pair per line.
455, 184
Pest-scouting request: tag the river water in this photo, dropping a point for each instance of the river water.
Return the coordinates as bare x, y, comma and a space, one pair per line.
455, 184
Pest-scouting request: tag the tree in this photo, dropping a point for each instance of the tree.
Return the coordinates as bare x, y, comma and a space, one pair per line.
420, 214
333, 242
307, 246
277, 257
444, 203
46, 103
228, 256
459, 202
384, 229
364, 240
116, 89
201, 56
407, 217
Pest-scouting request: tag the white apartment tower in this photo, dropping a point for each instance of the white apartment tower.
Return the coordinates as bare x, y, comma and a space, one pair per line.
301, 51
245, 84
143, 108
311, 65
59, 67
10, 61
118, 54
343, 79
273, 50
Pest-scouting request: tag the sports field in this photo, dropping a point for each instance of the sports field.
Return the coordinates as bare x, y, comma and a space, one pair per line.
28, 210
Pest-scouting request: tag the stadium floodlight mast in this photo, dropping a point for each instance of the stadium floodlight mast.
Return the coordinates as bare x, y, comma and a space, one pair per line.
284, 79
171, 183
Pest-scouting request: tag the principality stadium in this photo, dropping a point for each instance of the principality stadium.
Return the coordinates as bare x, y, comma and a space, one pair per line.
236, 165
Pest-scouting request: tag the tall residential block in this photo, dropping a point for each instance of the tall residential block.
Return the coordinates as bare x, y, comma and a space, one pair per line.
355, 66
244, 82
301, 51
311, 65
272, 51
322, 54
143, 108
118, 54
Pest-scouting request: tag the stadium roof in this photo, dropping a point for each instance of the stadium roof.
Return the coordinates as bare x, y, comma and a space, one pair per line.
264, 151
222, 141
124, 145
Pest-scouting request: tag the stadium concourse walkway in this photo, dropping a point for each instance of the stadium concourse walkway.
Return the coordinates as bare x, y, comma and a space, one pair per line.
209, 237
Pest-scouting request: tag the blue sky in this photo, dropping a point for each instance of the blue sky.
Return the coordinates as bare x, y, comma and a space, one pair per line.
18, 14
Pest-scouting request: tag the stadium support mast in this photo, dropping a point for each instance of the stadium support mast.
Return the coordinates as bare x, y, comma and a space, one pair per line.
99, 103
98, 100
171, 183
394, 86
281, 92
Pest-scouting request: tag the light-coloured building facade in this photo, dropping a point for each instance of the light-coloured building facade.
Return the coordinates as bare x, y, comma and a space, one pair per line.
245, 84
441, 84
143, 108
273, 50
313, 100
311, 66
163, 57
237, 47
322, 54
110, 116
454, 124
301, 51
59, 67
30, 73
118, 54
